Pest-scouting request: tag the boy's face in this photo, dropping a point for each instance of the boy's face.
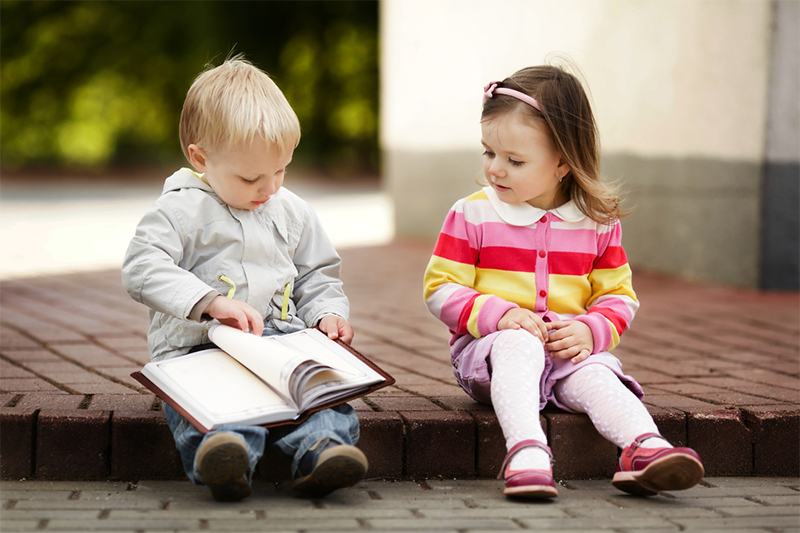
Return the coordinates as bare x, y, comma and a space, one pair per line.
244, 177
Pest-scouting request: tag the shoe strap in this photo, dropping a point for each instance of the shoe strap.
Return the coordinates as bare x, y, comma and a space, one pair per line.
639, 440
518, 447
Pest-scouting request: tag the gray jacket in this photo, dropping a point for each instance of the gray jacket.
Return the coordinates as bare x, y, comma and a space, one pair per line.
190, 244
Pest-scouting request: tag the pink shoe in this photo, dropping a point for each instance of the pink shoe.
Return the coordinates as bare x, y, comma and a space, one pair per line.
528, 483
648, 471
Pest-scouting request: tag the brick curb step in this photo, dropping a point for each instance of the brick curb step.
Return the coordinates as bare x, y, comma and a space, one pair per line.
39, 440
720, 368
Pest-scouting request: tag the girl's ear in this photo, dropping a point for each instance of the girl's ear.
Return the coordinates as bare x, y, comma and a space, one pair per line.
563, 168
197, 157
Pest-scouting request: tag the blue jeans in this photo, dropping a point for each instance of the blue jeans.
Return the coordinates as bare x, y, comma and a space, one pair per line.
339, 423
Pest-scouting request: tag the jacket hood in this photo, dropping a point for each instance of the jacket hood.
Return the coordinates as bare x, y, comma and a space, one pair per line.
185, 179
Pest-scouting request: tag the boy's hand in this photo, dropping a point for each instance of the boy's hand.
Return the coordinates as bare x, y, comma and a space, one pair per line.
519, 318
337, 328
570, 338
235, 313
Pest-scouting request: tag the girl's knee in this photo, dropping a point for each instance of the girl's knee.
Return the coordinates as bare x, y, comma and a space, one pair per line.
595, 371
517, 343
512, 337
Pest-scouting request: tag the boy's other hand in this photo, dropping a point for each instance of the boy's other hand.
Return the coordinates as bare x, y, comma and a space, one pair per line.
570, 339
519, 318
236, 314
336, 327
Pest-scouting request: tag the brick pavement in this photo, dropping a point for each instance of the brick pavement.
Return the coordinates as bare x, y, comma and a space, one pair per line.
720, 368
754, 504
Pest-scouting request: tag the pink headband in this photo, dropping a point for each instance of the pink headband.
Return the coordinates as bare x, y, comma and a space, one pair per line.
491, 89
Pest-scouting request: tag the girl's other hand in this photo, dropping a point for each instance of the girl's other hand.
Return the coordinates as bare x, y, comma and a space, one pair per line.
336, 327
519, 318
570, 339
237, 314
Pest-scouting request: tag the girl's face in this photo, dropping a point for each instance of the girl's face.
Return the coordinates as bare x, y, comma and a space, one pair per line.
244, 177
521, 163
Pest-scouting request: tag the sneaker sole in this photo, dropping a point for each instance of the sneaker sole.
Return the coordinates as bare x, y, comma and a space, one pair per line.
538, 492
223, 469
674, 472
339, 467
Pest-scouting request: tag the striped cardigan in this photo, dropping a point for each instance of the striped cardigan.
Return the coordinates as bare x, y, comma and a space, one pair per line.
491, 257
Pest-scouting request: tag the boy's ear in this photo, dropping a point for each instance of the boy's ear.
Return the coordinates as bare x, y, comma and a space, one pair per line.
197, 157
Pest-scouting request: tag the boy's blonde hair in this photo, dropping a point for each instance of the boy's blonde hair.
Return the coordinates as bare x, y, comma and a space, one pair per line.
234, 103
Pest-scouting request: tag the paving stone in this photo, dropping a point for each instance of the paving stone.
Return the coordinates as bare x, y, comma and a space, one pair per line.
11, 339
382, 442
579, 451
24, 356
122, 402
405, 404
28, 385
774, 430
671, 424
9, 371
72, 444
17, 438
142, 446
491, 445
722, 440
461, 402
439, 443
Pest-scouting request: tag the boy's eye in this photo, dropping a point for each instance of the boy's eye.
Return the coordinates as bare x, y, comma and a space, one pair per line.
487, 153
248, 181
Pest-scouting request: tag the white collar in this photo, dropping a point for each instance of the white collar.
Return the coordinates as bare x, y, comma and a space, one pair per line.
524, 214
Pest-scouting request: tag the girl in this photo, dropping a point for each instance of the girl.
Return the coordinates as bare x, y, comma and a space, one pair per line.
530, 276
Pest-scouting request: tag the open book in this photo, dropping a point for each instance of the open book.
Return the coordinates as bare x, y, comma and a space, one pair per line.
265, 381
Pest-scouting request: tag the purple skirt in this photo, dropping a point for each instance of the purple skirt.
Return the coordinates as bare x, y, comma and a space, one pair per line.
470, 359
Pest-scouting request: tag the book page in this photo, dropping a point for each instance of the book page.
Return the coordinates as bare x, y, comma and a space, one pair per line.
324, 350
218, 384
269, 359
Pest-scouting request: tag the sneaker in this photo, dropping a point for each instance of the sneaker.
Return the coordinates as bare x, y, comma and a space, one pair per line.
329, 465
648, 471
222, 462
537, 484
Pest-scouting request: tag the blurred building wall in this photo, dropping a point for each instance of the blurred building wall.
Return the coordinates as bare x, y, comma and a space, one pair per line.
696, 103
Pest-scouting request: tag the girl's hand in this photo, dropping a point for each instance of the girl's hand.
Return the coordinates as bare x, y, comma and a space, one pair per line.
337, 328
519, 318
570, 339
235, 313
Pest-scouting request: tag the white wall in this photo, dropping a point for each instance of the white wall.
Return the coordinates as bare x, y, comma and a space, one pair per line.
680, 91
668, 78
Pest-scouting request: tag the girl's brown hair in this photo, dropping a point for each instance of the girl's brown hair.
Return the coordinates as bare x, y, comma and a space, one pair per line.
568, 117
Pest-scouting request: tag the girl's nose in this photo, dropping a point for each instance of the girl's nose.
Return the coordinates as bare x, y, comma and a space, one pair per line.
496, 169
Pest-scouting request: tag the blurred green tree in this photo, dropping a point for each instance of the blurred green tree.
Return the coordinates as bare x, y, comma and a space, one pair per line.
91, 84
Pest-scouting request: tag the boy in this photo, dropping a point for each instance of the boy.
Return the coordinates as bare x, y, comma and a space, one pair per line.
227, 243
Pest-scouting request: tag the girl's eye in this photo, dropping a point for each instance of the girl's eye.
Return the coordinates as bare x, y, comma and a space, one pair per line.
516, 163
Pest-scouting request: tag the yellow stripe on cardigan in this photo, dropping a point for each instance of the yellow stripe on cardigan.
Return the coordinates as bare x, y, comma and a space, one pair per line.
567, 294
472, 323
517, 287
611, 281
441, 271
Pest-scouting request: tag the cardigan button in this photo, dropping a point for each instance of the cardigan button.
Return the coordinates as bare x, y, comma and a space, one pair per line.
543, 219
542, 253
542, 293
